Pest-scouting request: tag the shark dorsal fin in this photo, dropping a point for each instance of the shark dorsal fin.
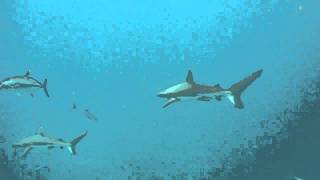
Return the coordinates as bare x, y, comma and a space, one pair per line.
189, 78
27, 74
40, 131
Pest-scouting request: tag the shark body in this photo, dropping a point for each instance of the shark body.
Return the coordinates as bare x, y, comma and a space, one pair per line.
23, 82
192, 90
39, 139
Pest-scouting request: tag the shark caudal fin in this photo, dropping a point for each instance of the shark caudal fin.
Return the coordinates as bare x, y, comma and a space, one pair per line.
237, 88
44, 86
75, 141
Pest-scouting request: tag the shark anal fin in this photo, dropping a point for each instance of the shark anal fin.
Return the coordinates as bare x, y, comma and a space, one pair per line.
26, 152
170, 101
60, 139
204, 98
218, 98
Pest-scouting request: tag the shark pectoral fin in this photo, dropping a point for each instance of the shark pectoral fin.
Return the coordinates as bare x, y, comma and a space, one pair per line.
26, 152
204, 98
170, 101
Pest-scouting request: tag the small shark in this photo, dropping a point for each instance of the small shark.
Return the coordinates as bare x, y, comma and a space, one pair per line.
192, 90
23, 82
39, 139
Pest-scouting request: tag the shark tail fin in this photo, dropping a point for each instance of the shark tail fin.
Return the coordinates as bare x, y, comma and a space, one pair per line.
75, 141
44, 86
237, 88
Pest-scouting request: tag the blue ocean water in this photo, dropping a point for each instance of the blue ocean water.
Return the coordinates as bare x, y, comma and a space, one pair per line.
114, 57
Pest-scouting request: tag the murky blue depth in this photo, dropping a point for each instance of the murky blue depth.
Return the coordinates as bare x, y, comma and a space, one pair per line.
112, 58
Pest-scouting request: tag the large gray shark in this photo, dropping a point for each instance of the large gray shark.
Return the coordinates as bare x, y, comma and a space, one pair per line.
22, 82
192, 90
39, 139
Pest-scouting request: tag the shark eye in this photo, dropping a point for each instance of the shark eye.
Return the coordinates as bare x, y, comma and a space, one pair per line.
61, 147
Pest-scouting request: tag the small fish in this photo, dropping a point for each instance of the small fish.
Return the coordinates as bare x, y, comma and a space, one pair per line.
74, 106
123, 168
2, 139
38, 168
90, 115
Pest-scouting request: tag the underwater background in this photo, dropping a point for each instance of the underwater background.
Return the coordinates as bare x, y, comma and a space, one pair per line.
113, 57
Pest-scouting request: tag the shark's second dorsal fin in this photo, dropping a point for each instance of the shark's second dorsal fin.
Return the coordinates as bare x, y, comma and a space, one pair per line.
60, 139
217, 86
27, 74
189, 78
40, 131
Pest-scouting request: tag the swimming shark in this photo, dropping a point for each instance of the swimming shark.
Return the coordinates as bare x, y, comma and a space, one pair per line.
192, 90
23, 82
39, 139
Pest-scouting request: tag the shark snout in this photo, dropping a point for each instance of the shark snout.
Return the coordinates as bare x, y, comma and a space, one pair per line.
161, 94
16, 146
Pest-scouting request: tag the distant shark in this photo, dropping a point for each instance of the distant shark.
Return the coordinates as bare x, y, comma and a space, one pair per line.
297, 178
23, 82
192, 90
39, 139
